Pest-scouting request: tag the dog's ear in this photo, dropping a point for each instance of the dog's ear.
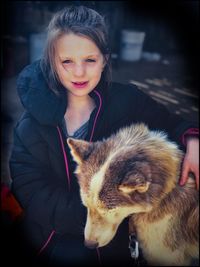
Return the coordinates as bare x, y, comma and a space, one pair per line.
138, 180
130, 187
80, 149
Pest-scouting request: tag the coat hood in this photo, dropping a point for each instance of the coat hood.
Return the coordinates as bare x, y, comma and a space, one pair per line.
36, 97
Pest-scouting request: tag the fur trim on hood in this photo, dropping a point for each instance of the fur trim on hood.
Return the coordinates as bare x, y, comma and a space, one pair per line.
36, 97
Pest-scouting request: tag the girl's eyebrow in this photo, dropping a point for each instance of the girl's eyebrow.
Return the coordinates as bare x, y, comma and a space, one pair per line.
93, 55
68, 57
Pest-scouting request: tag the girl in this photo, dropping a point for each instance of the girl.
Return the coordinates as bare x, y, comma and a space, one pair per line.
69, 93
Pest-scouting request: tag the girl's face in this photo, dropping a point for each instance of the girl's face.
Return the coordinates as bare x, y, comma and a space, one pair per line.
79, 63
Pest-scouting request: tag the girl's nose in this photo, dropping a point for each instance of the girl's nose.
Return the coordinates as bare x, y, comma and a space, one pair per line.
79, 70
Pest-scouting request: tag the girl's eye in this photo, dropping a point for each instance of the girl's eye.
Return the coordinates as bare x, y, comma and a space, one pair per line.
90, 60
67, 61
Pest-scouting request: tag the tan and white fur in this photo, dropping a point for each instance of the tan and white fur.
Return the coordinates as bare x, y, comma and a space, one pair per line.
134, 173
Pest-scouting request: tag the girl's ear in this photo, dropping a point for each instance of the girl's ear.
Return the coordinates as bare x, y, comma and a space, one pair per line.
80, 149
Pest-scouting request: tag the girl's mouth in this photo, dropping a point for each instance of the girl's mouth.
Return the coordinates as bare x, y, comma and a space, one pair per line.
80, 85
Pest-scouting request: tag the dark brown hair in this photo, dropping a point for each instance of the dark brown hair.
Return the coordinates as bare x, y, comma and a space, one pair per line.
82, 21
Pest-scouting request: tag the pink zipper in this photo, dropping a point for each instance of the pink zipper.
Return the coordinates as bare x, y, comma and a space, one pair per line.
95, 120
47, 242
65, 157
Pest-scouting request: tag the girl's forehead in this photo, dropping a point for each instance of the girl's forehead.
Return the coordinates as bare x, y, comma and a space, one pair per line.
73, 44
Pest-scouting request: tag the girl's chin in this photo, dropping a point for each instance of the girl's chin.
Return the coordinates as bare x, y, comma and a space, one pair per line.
79, 92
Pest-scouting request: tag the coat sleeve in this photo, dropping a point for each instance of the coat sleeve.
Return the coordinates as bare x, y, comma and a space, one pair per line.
45, 199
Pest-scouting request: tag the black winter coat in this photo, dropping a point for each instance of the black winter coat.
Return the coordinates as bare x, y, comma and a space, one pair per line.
43, 179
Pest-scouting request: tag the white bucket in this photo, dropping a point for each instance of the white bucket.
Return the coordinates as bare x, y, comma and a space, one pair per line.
131, 45
37, 42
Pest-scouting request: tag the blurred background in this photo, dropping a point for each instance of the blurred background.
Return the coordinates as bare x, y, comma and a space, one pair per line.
154, 45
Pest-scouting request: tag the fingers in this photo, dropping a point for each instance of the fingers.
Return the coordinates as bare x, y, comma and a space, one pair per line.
197, 180
186, 169
185, 173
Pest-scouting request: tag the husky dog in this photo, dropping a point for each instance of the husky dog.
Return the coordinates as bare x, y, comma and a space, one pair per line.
134, 173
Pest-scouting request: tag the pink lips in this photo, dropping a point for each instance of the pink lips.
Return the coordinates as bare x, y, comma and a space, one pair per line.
80, 85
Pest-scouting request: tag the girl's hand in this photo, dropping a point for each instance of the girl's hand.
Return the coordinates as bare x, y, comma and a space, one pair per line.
191, 161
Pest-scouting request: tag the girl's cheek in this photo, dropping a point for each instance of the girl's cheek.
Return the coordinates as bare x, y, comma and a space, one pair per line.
95, 68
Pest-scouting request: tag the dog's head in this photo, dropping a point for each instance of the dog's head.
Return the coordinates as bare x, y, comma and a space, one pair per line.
127, 173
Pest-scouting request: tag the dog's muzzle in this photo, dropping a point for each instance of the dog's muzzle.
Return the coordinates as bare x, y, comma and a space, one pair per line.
91, 244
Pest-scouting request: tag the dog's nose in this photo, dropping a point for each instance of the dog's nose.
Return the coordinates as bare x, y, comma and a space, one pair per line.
91, 244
